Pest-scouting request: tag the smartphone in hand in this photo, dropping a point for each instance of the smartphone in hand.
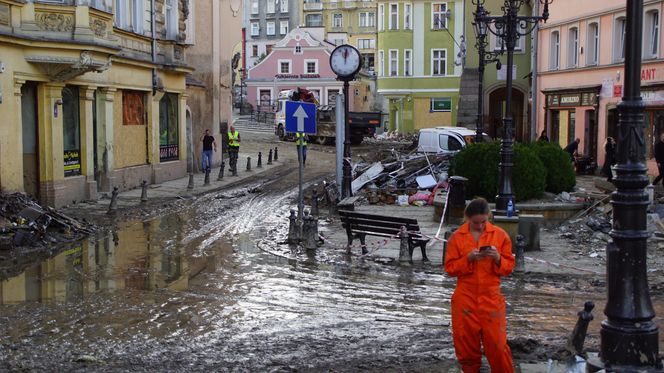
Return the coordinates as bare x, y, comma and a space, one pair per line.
484, 249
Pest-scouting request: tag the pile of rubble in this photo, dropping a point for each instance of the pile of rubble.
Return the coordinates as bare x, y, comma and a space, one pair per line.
402, 178
23, 222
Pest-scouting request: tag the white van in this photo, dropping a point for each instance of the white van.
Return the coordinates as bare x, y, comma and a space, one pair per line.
446, 140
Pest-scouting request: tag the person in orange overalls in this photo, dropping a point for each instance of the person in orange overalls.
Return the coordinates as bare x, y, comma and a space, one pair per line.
478, 254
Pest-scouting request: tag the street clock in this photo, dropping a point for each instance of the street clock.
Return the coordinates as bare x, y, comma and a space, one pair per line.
345, 61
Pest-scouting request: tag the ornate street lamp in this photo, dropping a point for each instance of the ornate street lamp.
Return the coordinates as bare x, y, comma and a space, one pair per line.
629, 337
481, 29
509, 28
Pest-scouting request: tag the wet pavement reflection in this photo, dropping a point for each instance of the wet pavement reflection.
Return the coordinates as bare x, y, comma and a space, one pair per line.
193, 290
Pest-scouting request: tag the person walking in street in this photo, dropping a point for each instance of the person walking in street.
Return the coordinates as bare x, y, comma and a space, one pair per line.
478, 254
573, 148
301, 141
543, 137
609, 158
233, 149
659, 158
209, 144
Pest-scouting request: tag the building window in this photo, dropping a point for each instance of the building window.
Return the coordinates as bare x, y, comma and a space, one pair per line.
254, 6
314, 20
265, 97
254, 29
368, 59
407, 16
439, 16
651, 35
381, 63
270, 28
366, 44
443, 104
298, 49
129, 15
270, 6
284, 6
339, 41
311, 66
268, 49
554, 49
71, 130
408, 62
619, 39
573, 47
394, 17
593, 44
168, 128
381, 17
284, 66
439, 62
133, 108
367, 19
171, 19
283, 27
337, 20
254, 51
394, 62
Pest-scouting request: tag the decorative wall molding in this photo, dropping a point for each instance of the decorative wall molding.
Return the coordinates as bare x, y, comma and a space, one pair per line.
55, 22
99, 27
66, 68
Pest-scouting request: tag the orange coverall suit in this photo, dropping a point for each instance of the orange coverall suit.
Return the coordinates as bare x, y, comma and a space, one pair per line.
478, 307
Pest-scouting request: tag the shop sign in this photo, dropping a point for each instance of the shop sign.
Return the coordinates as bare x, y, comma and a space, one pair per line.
502, 73
554, 100
617, 90
297, 76
168, 152
652, 95
72, 160
570, 100
648, 74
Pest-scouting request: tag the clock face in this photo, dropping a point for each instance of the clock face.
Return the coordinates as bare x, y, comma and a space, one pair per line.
345, 61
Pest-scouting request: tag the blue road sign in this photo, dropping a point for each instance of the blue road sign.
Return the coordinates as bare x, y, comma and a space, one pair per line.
300, 117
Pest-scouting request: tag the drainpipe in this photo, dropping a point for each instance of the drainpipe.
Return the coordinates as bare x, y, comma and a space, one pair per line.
533, 94
154, 46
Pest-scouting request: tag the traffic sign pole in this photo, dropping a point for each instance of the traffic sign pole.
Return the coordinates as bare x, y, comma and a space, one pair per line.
300, 205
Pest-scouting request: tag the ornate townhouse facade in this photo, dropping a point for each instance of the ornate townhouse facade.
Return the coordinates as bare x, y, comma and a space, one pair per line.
581, 69
418, 42
93, 96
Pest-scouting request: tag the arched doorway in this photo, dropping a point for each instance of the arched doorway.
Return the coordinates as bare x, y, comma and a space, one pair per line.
497, 112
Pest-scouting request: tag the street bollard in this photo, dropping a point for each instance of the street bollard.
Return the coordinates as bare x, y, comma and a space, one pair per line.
520, 266
259, 164
311, 236
207, 176
404, 249
314, 201
144, 191
276, 153
114, 200
248, 163
221, 171
191, 181
293, 229
575, 342
269, 157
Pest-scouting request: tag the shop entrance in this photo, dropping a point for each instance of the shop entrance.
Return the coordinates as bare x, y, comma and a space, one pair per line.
30, 135
497, 112
590, 134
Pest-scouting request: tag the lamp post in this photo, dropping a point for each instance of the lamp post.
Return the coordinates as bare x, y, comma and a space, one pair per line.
241, 70
480, 27
629, 337
509, 27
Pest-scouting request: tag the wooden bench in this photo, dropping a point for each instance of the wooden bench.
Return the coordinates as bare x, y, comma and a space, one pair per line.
359, 225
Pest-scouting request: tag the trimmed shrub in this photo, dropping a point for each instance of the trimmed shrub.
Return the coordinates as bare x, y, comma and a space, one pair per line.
560, 176
479, 163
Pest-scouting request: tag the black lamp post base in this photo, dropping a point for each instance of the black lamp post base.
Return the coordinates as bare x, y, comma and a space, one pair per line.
635, 346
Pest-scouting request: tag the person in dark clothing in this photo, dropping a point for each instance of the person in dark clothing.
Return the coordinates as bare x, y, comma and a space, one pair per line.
208, 145
609, 159
573, 148
543, 137
659, 158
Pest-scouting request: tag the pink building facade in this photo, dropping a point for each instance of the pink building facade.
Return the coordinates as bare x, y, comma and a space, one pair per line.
581, 70
301, 59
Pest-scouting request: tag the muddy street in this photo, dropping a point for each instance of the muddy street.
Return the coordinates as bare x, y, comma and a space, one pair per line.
211, 286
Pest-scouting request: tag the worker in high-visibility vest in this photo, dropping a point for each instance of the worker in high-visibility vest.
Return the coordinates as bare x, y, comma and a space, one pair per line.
301, 141
233, 149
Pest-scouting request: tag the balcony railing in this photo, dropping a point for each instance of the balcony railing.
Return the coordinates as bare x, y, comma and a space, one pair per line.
313, 6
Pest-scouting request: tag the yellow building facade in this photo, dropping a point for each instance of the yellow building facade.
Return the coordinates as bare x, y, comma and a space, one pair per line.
92, 97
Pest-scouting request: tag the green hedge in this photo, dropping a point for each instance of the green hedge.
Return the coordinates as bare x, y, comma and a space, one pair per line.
560, 176
479, 163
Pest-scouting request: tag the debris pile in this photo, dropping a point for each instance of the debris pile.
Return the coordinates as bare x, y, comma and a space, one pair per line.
23, 222
403, 179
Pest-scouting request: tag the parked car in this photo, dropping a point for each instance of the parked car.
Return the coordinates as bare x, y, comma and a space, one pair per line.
446, 140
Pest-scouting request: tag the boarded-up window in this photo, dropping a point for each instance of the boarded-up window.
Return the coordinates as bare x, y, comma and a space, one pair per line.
133, 108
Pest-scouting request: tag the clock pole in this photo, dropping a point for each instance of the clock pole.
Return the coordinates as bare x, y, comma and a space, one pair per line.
346, 190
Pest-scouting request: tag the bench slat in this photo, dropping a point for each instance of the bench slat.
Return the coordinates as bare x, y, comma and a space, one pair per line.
395, 219
383, 224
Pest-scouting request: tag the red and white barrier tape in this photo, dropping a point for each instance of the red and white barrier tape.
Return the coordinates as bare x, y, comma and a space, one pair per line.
562, 265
